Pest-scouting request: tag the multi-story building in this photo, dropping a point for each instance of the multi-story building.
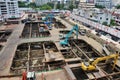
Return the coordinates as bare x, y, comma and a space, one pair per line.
94, 14
9, 9
116, 2
105, 3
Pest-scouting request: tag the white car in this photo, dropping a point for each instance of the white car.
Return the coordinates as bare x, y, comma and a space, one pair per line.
108, 36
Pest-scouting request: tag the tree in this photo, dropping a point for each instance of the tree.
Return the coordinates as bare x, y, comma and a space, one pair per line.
99, 6
58, 6
45, 7
118, 6
112, 22
21, 4
32, 5
71, 7
51, 4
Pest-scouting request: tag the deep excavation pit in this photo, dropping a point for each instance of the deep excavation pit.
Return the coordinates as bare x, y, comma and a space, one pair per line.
35, 30
79, 74
108, 68
32, 57
1, 47
83, 49
4, 35
59, 25
68, 53
64, 31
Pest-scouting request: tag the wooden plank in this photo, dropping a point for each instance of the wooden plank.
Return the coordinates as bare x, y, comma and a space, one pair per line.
72, 59
70, 73
74, 65
90, 76
100, 72
97, 75
106, 50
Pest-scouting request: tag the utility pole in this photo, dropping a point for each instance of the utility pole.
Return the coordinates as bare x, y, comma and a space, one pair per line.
55, 4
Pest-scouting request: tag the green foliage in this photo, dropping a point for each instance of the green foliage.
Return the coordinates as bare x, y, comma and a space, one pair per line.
32, 5
71, 7
22, 4
60, 6
45, 7
51, 4
118, 6
99, 6
112, 23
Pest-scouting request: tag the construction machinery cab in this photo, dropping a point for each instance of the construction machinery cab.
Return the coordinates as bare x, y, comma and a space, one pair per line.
48, 20
87, 65
31, 76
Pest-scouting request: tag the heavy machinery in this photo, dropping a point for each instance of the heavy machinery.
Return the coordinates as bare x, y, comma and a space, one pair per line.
65, 41
49, 24
91, 66
28, 76
48, 20
49, 17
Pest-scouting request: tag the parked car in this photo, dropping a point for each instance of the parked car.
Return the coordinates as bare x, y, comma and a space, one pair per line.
98, 33
108, 36
82, 32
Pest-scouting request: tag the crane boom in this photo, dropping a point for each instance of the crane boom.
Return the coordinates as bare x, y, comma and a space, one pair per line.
115, 56
65, 42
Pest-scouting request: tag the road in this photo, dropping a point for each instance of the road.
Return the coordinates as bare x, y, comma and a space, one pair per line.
7, 53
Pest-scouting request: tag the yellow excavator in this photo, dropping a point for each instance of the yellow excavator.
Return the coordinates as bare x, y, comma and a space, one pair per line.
91, 65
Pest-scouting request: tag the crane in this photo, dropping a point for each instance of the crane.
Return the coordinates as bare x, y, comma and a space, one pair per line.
48, 20
49, 17
91, 66
65, 41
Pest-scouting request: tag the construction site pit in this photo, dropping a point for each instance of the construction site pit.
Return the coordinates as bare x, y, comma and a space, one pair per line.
35, 30
114, 74
59, 25
4, 35
1, 46
38, 56
83, 49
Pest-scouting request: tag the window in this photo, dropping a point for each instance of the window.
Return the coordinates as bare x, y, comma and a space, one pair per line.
106, 18
100, 17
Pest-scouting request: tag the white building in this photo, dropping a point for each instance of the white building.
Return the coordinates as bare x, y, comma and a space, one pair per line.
116, 2
9, 9
94, 14
105, 3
